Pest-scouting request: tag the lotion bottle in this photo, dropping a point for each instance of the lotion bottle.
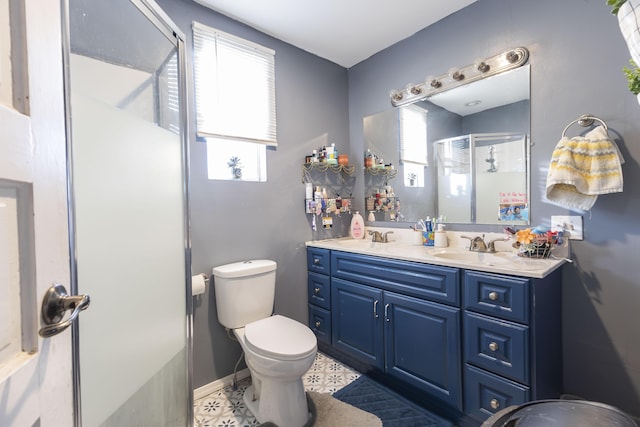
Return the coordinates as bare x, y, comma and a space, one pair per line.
357, 226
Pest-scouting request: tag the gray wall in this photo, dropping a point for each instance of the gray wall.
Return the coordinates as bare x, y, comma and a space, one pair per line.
577, 53
234, 221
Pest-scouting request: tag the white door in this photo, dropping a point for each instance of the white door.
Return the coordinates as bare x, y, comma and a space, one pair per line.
35, 373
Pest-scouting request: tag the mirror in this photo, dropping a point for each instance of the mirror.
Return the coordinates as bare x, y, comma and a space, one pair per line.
476, 169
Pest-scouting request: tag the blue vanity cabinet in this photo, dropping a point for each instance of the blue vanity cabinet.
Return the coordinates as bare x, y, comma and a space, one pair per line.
512, 341
319, 292
384, 315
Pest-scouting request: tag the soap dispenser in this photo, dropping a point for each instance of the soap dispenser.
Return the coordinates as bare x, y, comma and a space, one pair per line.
440, 237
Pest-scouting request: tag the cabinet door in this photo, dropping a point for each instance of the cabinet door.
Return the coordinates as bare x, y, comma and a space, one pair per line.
423, 345
356, 318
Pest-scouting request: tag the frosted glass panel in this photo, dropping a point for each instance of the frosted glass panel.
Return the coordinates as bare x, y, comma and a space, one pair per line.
130, 218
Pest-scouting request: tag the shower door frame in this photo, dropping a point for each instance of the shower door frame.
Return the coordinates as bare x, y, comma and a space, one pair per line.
164, 24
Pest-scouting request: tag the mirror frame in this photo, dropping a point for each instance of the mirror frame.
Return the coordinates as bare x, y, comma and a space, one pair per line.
497, 64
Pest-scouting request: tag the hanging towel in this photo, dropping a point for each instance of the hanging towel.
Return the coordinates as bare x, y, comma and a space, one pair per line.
583, 167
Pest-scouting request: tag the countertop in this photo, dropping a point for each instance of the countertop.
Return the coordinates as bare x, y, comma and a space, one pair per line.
504, 261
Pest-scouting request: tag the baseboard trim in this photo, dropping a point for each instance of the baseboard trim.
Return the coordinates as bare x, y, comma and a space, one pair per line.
216, 385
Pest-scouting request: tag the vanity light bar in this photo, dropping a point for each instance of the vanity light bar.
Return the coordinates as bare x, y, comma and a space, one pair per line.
504, 61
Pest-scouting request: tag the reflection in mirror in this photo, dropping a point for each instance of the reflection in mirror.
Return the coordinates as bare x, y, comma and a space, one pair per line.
495, 105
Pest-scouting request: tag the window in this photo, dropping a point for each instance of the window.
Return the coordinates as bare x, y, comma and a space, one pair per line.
413, 145
235, 103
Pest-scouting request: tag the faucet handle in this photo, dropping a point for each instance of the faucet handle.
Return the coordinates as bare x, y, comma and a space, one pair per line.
384, 236
492, 243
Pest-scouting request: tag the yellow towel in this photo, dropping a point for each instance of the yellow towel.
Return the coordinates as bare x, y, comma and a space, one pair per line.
583, 167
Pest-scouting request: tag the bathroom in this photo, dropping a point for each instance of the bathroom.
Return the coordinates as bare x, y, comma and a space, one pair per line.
573, 71
576, 56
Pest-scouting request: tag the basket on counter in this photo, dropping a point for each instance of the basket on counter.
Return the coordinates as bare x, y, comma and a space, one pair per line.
534, 244
535, 250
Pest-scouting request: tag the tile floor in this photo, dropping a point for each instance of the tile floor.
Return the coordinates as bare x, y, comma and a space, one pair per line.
225, 408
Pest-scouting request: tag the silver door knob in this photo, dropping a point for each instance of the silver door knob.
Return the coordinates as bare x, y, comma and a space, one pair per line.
493, 346
494, 404
493, 296
55, 303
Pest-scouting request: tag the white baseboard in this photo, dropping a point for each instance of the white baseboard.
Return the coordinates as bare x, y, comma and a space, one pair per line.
216, 385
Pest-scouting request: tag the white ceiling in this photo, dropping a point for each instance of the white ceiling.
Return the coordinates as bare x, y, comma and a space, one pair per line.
343, 31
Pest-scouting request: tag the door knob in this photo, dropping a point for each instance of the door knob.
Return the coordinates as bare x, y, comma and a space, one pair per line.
55, 303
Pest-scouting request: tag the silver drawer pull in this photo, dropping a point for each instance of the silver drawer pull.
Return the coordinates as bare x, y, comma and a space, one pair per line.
494, 404
493, 296
316, 291
318, 324
386, 313
316, 261
375, 309
493, 346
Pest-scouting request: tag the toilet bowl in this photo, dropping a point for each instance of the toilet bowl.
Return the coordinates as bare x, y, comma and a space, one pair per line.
278, 350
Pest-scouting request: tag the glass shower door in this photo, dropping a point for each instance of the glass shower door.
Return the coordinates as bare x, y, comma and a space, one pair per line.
129, 206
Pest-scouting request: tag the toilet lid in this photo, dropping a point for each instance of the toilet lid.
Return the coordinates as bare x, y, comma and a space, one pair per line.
280, 337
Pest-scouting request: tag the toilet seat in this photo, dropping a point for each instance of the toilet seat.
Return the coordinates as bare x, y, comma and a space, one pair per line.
280, 338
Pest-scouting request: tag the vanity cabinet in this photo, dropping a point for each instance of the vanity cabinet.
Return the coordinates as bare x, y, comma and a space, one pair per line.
471, 342
512, 341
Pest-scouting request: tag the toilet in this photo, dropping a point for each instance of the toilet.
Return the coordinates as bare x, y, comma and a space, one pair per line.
278, 350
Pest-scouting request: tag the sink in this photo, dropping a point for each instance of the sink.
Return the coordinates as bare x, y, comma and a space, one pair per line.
497, 258
354, 243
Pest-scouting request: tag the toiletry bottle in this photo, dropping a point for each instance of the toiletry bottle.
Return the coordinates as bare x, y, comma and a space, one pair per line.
440, 237
309, 191
357, 226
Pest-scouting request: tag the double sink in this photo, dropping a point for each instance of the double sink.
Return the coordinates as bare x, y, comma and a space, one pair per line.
454, 256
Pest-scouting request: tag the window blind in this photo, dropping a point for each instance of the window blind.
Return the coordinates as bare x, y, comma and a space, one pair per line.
234, 87
413, 135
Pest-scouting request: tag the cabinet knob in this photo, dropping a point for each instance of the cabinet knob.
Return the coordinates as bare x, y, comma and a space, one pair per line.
493, 296
316, 291
316, 261
494, 404
318, 324
493, 346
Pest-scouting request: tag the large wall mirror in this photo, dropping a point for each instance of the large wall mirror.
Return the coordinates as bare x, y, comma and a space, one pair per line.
460, 154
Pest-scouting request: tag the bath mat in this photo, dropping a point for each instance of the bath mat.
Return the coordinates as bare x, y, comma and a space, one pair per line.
327, 411
393, 409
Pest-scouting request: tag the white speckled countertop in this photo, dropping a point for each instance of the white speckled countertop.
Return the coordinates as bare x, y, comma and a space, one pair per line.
402, 245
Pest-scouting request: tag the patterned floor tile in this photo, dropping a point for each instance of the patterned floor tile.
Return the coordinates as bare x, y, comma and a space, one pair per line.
225, 407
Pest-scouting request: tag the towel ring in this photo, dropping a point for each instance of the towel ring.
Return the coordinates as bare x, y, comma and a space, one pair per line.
584, 121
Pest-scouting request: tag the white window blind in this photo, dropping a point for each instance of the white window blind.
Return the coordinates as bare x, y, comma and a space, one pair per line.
234, 87
413, 135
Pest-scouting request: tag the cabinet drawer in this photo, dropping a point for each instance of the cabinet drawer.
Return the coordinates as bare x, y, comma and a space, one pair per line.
436, 283
501, 296
485, 393
319, 289
320, 323
497, 346
319, 260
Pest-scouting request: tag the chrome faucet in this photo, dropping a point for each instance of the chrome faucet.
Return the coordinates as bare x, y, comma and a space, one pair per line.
378, 237
477, 244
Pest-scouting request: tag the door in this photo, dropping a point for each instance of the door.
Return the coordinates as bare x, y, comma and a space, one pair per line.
128, 193
422, 346
356, 320
35, 373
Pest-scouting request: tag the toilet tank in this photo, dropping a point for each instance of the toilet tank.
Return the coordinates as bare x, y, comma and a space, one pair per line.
245, 291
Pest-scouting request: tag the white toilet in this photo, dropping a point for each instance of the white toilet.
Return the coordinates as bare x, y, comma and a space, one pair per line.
277, 350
